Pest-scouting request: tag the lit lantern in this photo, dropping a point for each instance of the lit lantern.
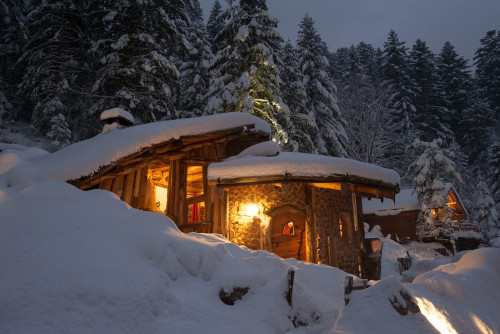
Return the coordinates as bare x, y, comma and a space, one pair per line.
251, 210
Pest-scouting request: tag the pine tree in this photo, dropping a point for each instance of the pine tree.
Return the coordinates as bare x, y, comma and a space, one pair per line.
432, 118
194, 69
321, 99
402, 90
5, 106
134, 41
246, 77
294, 95
486, 215
433, 169
487, 61
476, 122
457, 85
54, 61
13, 38
215, 24
396, 74
494, 171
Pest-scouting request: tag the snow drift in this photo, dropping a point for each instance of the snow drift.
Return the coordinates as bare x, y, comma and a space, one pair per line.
85, 262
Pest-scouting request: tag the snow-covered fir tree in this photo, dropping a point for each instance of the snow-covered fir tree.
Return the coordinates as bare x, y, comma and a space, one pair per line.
476, 129
486, 215
134, 42
487, 61
433, 169
13, 38
215, 24
494, 171
402, 91
456, 83
321, 99
5, 106
194, 68
54, 61
294, 95
432, 118
245, 73
396, 75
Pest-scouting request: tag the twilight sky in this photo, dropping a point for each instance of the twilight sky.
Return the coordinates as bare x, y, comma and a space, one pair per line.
345, 22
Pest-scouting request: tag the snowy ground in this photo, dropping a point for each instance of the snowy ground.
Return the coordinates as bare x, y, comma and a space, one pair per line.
85, 262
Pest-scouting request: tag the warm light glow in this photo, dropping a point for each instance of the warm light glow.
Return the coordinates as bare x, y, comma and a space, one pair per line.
161, 198
251, 210
483, 328
435, 317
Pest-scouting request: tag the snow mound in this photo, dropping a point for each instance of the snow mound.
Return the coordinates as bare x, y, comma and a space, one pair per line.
462, 297
371, 311
265, 149
12, 155
85, 262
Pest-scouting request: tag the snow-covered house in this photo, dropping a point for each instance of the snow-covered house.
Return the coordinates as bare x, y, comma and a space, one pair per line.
399, 218
220, 174
298, 205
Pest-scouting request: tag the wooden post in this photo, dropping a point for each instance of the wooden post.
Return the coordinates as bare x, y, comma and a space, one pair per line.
289, 292
355, 211
128, 187
117, 187
106, 184
143, 184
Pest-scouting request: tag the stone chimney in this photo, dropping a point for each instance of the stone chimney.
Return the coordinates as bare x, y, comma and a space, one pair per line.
116, 119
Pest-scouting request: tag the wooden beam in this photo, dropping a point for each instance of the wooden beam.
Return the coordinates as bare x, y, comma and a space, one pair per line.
143, 184
128, 187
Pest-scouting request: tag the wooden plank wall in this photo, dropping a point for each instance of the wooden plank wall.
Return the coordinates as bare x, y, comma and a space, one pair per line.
402, 225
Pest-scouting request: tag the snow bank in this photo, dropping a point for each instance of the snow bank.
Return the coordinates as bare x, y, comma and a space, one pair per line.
406, 200
85, 262
370, 311
454, 294
298, 164
12, 155
85, 157
462, 297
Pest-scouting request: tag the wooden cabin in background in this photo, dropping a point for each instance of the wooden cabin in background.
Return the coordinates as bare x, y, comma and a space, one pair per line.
399, 218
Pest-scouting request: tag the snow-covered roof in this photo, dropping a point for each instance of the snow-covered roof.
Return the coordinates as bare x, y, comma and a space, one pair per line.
406, 200
117, 113
298, 166
86, 157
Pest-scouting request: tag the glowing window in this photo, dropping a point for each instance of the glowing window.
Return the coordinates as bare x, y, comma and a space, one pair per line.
288, 229
345, 226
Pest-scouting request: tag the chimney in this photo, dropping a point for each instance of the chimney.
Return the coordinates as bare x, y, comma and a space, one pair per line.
116, 119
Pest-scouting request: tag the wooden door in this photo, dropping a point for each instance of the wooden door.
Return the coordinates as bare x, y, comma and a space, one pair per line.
288, 236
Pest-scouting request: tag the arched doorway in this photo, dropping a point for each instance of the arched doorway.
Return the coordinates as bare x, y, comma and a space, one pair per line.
288, 235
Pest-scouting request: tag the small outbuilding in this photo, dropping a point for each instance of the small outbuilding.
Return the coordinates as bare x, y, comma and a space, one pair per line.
399, 218
298, 205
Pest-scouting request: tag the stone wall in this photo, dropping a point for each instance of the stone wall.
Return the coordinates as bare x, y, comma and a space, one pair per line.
327, 206
252, 229
250, 226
